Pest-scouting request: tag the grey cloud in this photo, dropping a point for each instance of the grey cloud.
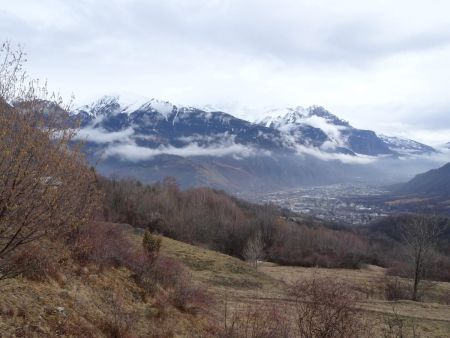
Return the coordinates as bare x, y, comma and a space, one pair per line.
290, 33
256, 53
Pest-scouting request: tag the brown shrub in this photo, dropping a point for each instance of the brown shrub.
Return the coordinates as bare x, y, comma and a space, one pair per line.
396, 289
189, 296
151, 244
445, 298
40, 260
105, 244
439, 268
46, 184
169, 282
255, 320
326, 308
163, 272
396, 326
119, 322
318, 246
6, 310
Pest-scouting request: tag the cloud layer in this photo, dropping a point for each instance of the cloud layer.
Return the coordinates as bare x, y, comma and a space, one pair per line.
382, 65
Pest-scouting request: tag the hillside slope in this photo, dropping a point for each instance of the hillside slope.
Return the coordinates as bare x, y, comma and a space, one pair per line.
88, 302
85, 301
435, 182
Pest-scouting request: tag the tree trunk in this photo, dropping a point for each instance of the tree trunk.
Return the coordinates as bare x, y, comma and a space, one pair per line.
417, 272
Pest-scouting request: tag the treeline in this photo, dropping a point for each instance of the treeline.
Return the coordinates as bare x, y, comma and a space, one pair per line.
213, 219
210, 218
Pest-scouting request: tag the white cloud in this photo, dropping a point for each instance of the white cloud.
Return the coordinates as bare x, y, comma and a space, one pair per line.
99, 135
222, 138
332, 131
133, 152
344, 158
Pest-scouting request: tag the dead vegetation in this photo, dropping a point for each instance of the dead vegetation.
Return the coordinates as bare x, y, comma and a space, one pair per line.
326, 307
46, 187
106, 295
98, 299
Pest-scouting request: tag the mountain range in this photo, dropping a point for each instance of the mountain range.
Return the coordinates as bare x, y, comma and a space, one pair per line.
150, 139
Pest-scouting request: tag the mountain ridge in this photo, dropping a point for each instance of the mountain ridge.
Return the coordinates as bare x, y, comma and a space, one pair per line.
435, 182
313, 126
150, 139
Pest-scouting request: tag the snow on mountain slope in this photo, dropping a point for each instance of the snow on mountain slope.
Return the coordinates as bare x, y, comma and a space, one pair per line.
152, 123
285, 118
404, 146
113, 104
313, 126
160, 127
151, 139
318, 127
162, 107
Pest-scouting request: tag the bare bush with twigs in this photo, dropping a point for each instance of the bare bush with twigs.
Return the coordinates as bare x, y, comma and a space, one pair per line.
46, 187
327, 308
256, 320
253, 250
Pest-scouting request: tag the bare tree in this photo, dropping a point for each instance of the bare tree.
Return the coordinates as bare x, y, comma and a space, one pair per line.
12, 75
253, 250
420, 236
46, 186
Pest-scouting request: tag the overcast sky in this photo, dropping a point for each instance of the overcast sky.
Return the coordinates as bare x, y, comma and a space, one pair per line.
382, 65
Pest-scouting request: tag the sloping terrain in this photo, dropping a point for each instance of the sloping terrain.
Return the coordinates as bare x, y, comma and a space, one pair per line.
86, 302
233, 280
434, 183
427, 191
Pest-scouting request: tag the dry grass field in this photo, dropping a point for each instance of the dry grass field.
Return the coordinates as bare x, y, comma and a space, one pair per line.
233, 280
82, 302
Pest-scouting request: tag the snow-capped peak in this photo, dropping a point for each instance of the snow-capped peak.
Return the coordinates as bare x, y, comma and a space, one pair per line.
164, 108
325, 114
284, 117
298, 121
131, 102
299, 115
211, 108
113, 104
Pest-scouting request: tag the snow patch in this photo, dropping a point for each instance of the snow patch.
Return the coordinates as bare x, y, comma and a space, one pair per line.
163, 107
405, 146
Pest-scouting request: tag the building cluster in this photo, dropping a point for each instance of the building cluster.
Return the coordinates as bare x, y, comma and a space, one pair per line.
343, 203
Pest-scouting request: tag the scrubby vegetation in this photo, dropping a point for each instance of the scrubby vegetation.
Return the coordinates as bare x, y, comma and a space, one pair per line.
210, 218
214, 219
